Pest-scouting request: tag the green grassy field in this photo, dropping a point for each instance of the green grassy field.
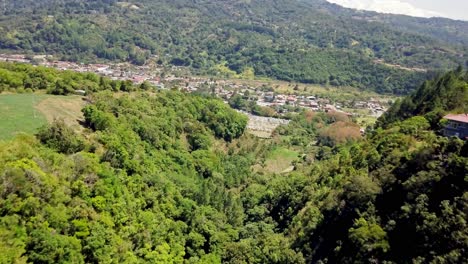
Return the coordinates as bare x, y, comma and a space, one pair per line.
365, 121
283, 153
18, 114
280, 159
25, 113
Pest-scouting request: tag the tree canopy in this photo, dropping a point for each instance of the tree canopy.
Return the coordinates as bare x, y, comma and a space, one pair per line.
168, 177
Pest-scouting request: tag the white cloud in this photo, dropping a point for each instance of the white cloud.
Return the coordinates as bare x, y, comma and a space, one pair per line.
387, 6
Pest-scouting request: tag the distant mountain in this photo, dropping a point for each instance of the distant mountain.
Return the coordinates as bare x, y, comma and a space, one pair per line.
447, 30
309, 41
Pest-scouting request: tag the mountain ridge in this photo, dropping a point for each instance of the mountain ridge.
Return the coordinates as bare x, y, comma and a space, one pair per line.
294, 40
440, 27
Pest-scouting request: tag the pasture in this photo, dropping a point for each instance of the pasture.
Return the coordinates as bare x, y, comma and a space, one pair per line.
25, 113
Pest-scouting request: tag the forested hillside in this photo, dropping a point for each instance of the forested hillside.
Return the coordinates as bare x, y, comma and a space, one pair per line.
444, 29
167, 177
448, 92
146, 186
308, 41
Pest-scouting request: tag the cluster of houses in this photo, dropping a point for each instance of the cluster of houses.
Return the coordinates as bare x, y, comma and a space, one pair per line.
374, 106
14, 58
457, 124
221, 88
314, 103
118, 71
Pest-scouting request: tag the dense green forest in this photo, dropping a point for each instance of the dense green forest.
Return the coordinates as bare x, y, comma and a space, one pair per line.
167, 177
309, 41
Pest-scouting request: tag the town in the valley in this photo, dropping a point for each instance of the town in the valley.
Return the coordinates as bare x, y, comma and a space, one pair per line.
259, 93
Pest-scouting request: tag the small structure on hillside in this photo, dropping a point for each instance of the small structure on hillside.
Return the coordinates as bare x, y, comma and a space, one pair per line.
457, 126
80, 92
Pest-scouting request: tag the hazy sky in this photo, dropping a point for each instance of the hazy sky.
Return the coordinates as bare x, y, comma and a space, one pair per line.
456, 9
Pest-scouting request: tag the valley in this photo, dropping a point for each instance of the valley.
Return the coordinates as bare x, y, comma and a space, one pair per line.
231, 131
279, 97
307, 41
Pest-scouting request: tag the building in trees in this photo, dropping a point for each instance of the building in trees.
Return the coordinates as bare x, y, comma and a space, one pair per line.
457, 125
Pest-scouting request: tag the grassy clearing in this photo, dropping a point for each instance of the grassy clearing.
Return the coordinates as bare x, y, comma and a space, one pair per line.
67, 108
365, 121
279, 160
25, 113
17, 114
283, 153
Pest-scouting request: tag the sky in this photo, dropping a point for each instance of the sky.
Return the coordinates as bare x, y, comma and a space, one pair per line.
455, 9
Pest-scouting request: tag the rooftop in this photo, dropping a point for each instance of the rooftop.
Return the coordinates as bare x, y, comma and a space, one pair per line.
457, 117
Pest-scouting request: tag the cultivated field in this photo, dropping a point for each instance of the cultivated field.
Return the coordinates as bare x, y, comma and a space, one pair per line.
25, 113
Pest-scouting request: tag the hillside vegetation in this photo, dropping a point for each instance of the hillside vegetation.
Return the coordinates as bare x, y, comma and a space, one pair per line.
307, 41
444, 29
434, 99
167, 177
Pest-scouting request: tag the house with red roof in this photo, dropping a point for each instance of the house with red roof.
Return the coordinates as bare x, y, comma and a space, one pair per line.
457, 126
